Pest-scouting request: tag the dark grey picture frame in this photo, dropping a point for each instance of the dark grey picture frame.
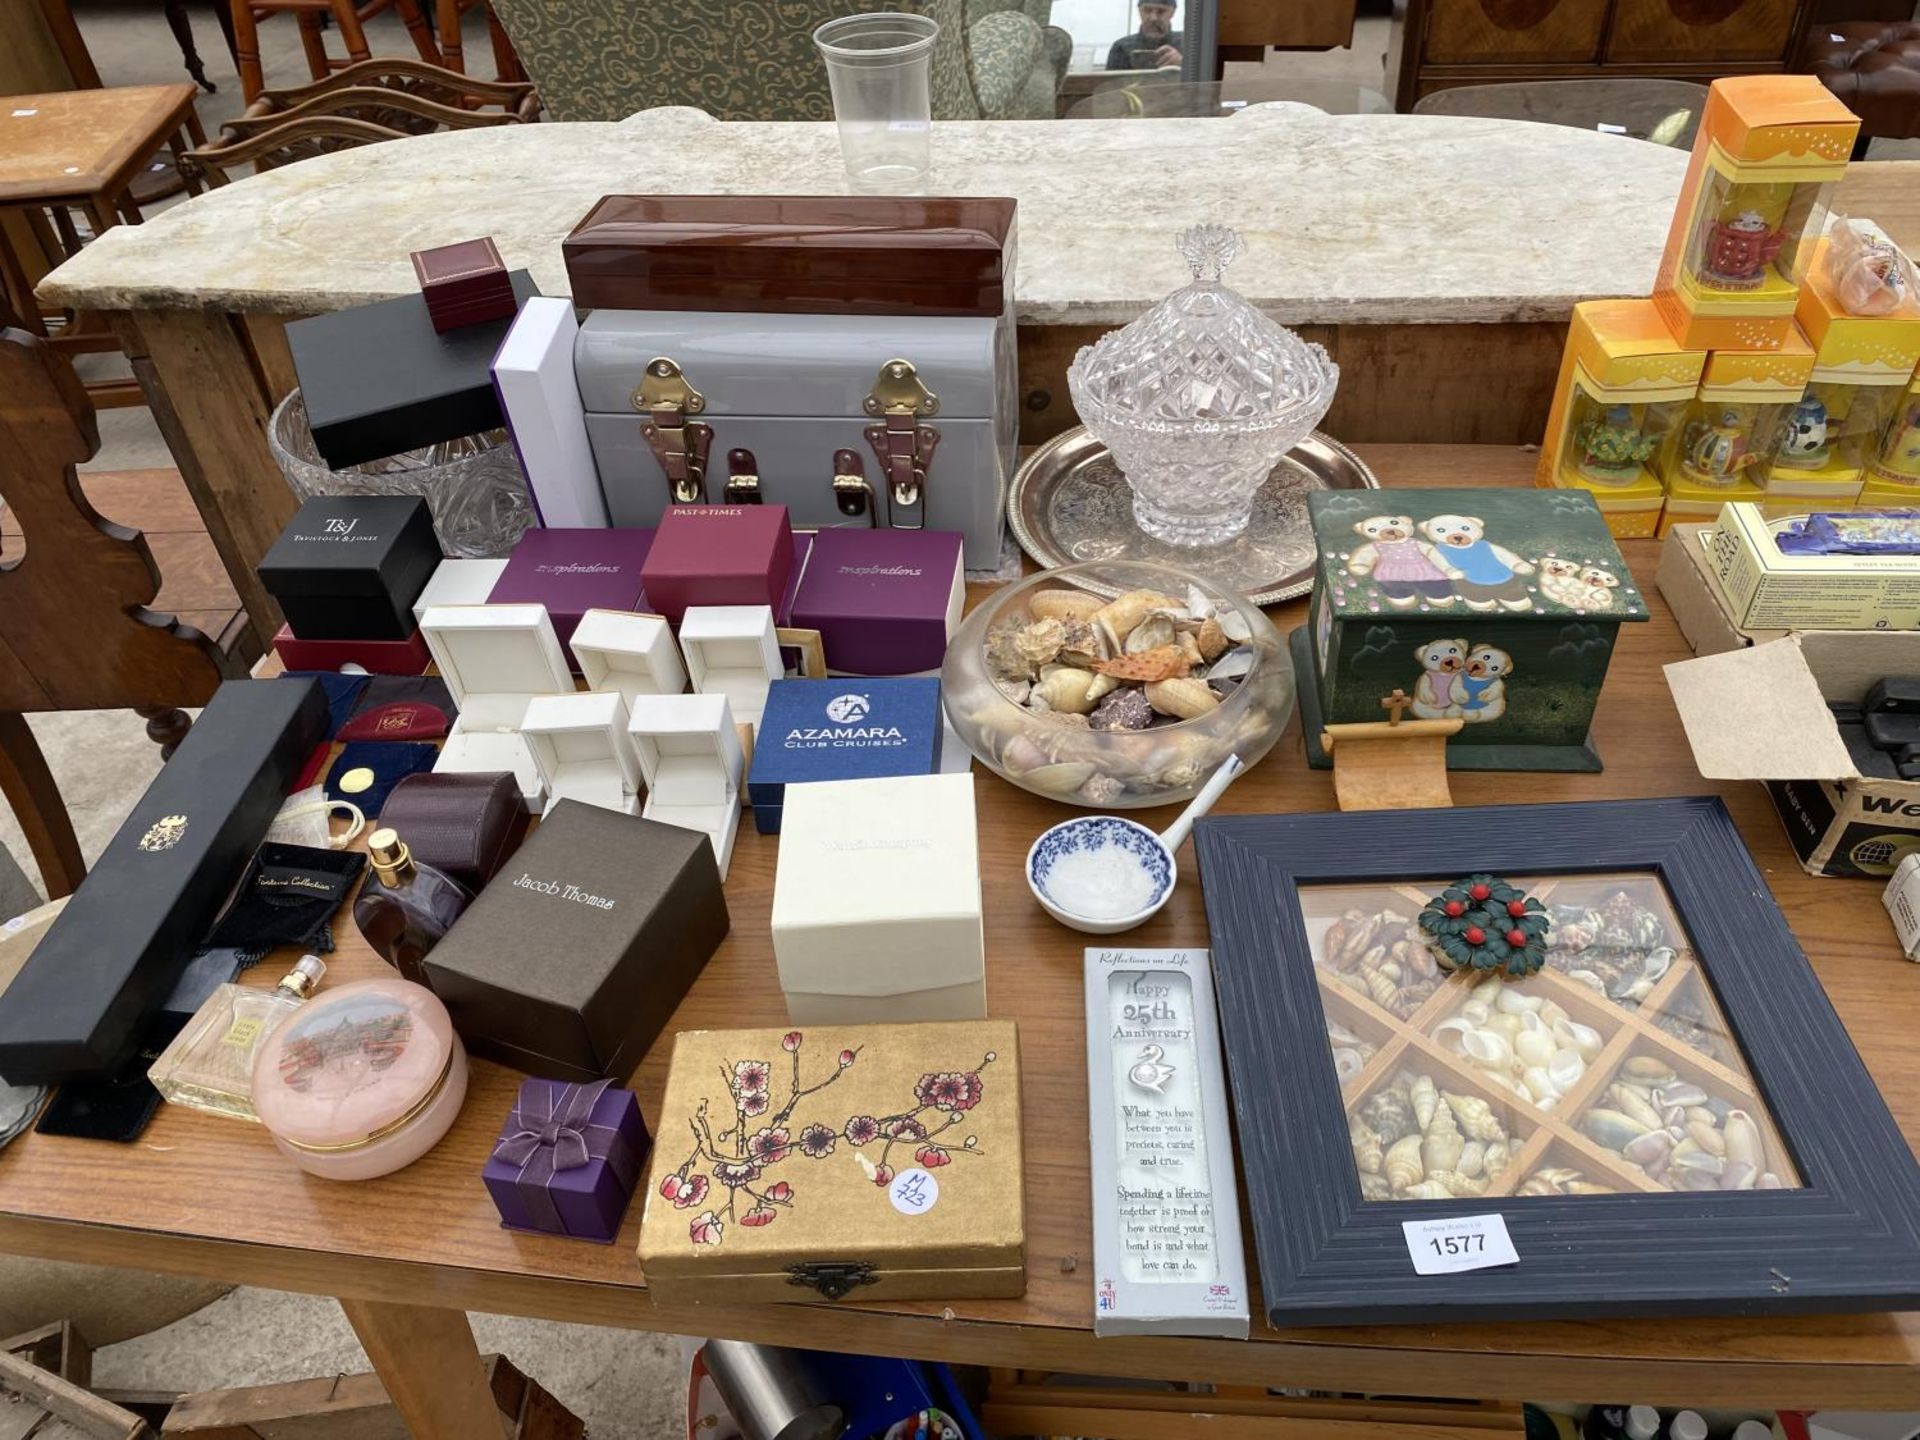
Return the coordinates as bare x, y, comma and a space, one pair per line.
1848, 1240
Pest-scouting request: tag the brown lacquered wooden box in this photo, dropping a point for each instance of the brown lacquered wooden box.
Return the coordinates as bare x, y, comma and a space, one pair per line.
794, 255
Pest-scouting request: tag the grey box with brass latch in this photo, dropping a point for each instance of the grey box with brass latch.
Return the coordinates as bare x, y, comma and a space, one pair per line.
927, 404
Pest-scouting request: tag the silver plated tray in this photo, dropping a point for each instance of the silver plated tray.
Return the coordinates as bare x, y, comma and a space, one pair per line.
1070, 503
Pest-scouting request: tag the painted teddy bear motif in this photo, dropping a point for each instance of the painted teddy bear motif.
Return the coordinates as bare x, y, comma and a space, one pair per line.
1460, 680
1405, 568
1441, 662
1576, 586
1481, 686
1486, 575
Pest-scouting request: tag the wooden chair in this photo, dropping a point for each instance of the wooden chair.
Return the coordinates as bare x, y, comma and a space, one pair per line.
376, 100
75, 630
349, 17
446, 22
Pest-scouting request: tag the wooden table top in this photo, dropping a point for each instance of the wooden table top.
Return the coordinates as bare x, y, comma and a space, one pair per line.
208, 1196
76, 143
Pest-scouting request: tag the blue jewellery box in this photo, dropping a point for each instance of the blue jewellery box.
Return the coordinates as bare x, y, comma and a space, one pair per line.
843, 729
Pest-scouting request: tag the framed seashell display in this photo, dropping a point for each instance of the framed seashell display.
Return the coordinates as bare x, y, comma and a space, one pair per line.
1667, 1112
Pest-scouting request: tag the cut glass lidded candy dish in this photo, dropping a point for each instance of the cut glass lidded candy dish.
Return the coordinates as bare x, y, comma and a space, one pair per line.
1199, 398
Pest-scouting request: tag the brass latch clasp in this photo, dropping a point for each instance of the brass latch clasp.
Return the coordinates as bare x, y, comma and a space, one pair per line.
680, 444
902, 444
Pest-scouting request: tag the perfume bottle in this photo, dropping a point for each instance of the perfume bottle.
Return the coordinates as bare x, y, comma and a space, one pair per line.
209, 1065
405, 907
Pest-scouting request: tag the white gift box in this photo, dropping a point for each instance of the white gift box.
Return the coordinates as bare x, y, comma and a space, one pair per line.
458, 582
582, 750
732, 650
876, 902
633, 655
495, 660
689, 752
540, 398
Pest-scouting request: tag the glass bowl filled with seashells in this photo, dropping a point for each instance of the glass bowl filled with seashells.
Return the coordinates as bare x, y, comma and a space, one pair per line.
1116, 684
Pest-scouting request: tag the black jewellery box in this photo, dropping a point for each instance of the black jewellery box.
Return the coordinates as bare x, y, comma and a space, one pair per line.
78, 1006
349, 567
379, 379
572, 960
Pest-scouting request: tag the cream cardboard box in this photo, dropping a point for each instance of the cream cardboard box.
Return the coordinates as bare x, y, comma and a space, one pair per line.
495, 660
458, 582
1767, 589
581, 748
732, 650
690, 754
1902, 899
630, 654
1760, 713
876, 902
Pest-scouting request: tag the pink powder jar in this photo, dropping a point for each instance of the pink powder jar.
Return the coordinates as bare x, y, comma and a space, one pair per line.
361, 1080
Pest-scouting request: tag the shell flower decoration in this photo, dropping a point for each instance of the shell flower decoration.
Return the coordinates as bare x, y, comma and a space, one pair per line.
1483, 923
738, 1155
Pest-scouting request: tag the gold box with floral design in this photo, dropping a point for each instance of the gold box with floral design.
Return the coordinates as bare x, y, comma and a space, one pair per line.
872, 1162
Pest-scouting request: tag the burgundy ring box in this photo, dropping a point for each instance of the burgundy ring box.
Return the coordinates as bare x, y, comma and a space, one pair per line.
466, 826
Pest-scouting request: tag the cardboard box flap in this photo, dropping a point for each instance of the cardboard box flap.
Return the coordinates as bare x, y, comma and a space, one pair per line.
1758, 714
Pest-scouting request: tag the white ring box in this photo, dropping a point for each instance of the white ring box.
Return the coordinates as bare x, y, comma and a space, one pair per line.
533, 373
732, 650
581, 748
689, 752
458, 582
633, 655
495, 659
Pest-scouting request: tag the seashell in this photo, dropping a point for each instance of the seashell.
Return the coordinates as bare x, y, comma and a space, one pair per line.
1211, 641
1185, 699
1164, 662
1707, 1138
1427, 1190
1738, 1175
1565, 1067
1040, 642
1061, 720
1064, 605
1022, 755
1200, 605
1701, 1114
1463, 1186
1488, 1048
1375, 1187
1769, 1181
1613, 1129
1647, 1070
1005, 660
1534, 1047
1719, 1109
1233, 665
1743, 1139
1587, 1187
1424, 1095
1236, 626
1101, 790
1347, 1063
1654, 1146
1442, 1144
1473, 1159
1118, 618
1551, 1180
1382, 991
1061, 779
1065, 689
1389, 1114
1190, 648
1505, 1026
1690, 1158
1475, 1117
1514, 1001
1588, 978
1403, 1163
1102, 686
1534, 1185
1498, 1155
1367, 1149
1550, 1102
1693, 1181
1452, 1033
1629, 1102
1583, 1038
1547, 1014
1150, 634
1340, 929
1682, 1093
1539, 1084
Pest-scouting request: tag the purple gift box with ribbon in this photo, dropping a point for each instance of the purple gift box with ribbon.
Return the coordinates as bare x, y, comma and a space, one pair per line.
568, 1159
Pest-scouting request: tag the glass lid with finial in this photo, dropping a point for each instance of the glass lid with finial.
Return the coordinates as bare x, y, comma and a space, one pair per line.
1200, 397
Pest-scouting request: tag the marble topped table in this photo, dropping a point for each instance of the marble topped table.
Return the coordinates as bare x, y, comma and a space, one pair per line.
1437, 258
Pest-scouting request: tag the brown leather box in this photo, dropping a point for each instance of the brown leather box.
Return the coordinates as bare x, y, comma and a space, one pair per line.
794, 255
466, 826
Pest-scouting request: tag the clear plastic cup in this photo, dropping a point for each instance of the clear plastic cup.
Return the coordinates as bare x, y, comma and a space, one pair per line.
878, 66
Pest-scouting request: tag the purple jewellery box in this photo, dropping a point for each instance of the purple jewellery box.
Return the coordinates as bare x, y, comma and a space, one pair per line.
884, 601
567, 1159
574, 571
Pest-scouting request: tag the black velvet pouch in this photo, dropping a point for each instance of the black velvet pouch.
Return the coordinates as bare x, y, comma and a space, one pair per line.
119, 1107
286, 898
367, 770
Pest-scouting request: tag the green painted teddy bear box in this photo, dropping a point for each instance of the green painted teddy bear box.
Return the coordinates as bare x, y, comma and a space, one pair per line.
1498, 608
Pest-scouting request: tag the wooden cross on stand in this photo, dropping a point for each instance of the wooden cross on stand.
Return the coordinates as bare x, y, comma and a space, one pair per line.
1394, 704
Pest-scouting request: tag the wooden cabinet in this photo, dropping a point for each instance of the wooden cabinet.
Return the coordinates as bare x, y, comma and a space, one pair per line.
1447, 43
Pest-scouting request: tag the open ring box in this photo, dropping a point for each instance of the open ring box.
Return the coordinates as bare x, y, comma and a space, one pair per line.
689, 751
632, 655
580, 747
732, 650
495, 660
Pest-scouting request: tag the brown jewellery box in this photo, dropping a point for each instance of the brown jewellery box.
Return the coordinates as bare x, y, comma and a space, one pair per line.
794, 255
573, 958
464, 825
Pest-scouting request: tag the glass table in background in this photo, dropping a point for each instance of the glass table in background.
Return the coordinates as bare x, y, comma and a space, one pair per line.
1161, 94
1666, 112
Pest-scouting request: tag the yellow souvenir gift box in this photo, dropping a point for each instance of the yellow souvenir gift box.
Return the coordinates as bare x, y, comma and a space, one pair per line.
1726, 440
871, 1162
1623, 386
1893, 479
1861, 367
1769, 150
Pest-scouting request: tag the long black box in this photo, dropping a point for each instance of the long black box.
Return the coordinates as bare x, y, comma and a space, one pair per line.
78, 1006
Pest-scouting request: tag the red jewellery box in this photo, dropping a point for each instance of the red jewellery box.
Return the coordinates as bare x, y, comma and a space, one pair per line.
464, 284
